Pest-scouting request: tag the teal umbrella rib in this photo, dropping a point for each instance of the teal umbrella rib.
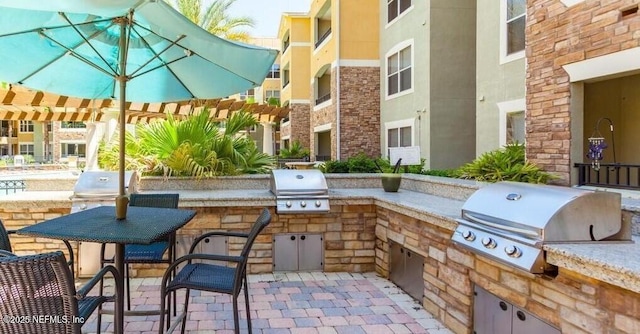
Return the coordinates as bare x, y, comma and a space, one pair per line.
86, 40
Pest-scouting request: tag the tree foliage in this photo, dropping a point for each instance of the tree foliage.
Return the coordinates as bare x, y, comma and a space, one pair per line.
215, 18
196, 146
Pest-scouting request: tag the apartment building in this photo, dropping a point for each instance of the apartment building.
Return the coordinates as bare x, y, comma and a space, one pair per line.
582, 84
500, 73
427, 91
266, 134
331, 78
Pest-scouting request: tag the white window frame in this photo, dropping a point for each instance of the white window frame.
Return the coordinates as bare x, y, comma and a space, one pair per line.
72, 142
504, 57
505, 108
26, 125
403, 123
33, 147
399, 16
396, 50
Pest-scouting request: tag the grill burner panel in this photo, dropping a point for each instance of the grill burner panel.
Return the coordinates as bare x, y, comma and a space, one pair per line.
300, 191
510, 221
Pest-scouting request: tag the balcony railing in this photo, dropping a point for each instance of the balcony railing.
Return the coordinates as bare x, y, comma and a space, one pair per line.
323, 37
323, 98
625, 176
11, 185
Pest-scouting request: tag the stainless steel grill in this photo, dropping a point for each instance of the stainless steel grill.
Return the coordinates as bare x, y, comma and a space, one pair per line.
95, 188
92, 189
300, 191
511, 221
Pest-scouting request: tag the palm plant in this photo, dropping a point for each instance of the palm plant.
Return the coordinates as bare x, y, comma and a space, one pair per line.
215, 18
196, 146
296, 151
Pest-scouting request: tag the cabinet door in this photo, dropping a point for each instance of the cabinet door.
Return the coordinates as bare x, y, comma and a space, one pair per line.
414, 273
285, 252
310, 253
491, 315
217, 244
396, 264
525, 323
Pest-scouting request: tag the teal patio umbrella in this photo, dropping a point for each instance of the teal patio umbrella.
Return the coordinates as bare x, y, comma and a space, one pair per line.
129, 50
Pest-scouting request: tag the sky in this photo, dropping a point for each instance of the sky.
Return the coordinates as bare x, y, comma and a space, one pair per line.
266, 13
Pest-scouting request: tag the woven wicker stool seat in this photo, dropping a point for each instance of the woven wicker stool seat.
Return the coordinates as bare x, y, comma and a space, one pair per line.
39, 295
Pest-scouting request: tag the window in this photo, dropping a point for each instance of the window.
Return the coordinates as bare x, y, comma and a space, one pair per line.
272, 93
516, 12
26, 126
512, 40
26, 149
274, 73
73, 125
247, 95
515, 127
67, 149
399, 70
399, 137
511, 122
285, 78
396, 7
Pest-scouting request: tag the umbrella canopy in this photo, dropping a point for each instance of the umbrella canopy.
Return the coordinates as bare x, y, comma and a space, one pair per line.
129, 50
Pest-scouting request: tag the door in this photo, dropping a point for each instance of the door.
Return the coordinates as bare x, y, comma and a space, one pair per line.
285, 252
491, 315
310, 252
525, 323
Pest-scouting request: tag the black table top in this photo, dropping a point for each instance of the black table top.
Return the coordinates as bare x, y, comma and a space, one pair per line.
143, 225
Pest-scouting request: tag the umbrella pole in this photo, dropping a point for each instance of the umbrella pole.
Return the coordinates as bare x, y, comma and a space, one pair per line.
122, 80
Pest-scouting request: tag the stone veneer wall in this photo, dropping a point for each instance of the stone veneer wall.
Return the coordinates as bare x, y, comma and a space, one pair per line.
359, 111
349, 237
299, 124
557, 36
58, 134
572, 302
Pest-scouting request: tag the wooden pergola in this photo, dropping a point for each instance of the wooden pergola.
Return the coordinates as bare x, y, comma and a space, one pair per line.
18, 103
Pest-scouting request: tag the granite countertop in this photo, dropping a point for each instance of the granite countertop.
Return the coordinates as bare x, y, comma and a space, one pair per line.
614, 263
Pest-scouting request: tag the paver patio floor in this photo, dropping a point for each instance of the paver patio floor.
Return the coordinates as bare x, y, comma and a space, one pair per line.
296, 303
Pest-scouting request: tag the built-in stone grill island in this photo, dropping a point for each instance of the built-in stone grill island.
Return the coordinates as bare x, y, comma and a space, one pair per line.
596, 289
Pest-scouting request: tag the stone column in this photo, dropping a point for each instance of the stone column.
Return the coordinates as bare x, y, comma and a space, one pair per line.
267, 138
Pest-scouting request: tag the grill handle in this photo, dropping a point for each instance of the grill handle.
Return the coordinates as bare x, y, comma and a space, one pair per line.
300, 193
516, 230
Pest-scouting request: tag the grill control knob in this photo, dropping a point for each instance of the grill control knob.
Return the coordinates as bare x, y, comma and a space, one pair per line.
318, 204
513, 251
489, 242
468, 235
288, 204
303, 204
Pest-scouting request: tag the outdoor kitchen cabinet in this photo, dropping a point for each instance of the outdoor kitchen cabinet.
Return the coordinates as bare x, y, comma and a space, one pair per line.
492, 315
297, 252
406, 270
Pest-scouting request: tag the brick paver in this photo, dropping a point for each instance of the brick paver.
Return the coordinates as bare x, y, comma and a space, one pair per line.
293, 303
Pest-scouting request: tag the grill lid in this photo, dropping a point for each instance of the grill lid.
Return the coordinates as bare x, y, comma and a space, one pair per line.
102, 184
295, 182
300, 191
549, 213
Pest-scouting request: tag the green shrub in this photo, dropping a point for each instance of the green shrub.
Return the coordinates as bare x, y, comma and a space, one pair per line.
361, 163
505, 164
296, 151
441, 172
334, 166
